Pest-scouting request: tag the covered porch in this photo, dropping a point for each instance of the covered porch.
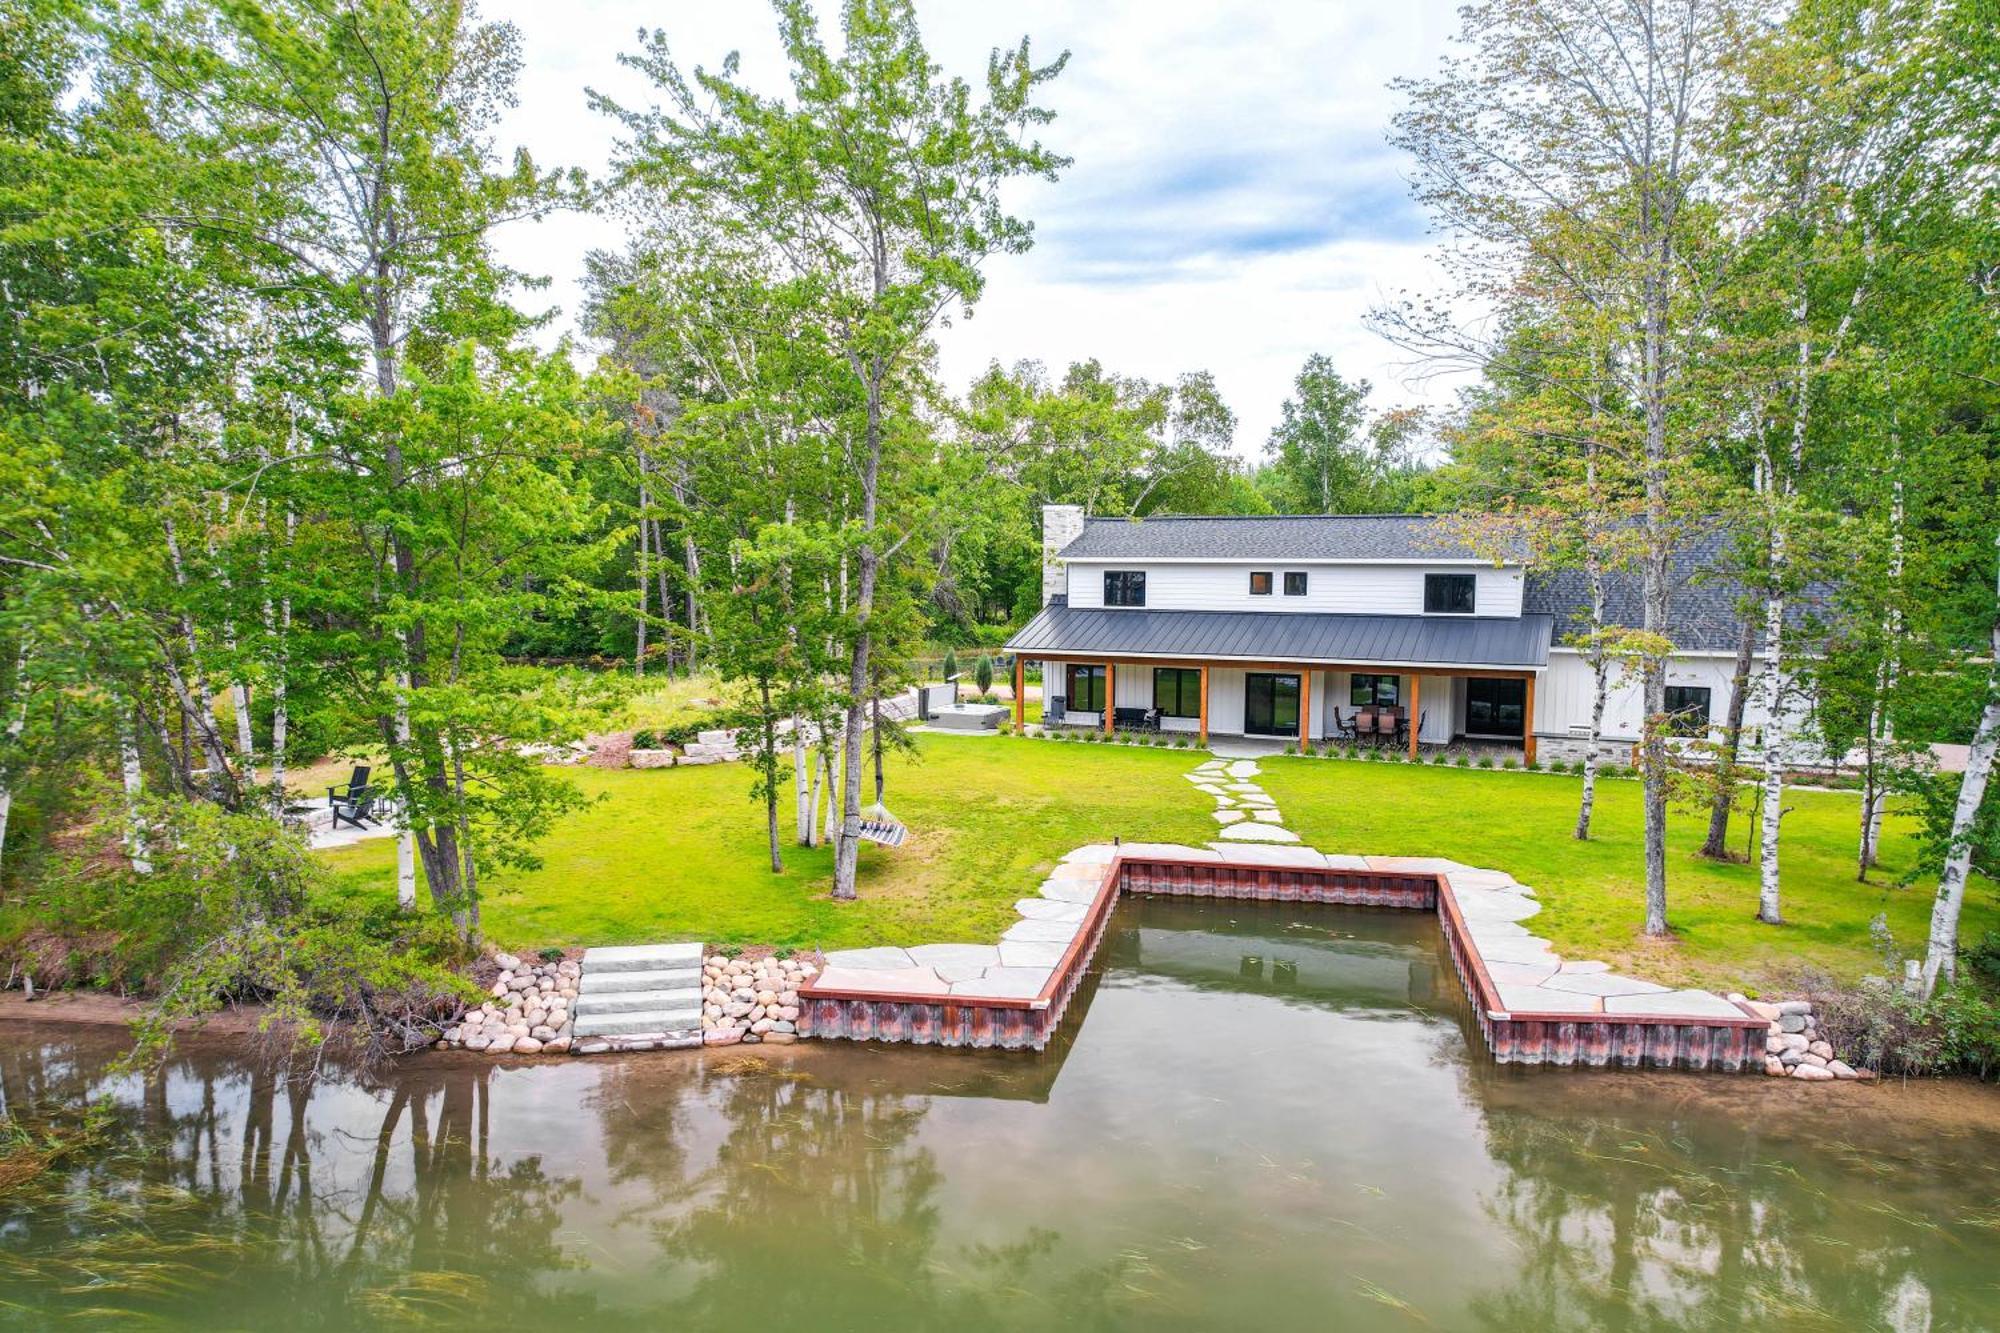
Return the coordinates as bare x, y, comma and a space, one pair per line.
1306, 704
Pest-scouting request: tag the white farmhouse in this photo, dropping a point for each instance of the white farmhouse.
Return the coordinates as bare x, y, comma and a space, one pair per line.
1323, 627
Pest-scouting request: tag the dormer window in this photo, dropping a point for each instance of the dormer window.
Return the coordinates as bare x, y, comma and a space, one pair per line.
1295, 583
1449, 594
1124, 587
1260, 583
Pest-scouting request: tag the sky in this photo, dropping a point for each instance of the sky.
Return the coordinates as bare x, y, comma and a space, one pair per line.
1232, 205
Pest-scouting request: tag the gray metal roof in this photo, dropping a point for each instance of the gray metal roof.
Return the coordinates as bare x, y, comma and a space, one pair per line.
1281, 537
1267, 636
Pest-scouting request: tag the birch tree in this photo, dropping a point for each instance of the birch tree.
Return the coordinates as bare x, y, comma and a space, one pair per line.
878, 179
1569, 137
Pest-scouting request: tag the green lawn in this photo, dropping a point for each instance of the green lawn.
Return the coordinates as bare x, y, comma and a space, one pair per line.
1594, 892
679, 853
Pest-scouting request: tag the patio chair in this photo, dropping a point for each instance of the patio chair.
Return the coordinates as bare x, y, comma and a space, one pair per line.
1136, 719
1344, 725
1052, 710
353, 805
1364, 723
357, 782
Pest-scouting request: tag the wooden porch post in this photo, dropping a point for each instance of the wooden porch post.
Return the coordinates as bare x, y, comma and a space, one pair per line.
1204, 705
1528, 724
1416, 712
1110, 694
1305, 710
1020, 694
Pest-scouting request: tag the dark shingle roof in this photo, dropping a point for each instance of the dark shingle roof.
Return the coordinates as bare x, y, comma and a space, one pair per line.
1286, 537
1260, 636
1702, 613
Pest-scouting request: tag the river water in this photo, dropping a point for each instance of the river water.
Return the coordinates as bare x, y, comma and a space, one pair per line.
1268, 1117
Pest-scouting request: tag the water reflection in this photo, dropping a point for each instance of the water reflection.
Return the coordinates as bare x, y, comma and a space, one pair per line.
1268, 1115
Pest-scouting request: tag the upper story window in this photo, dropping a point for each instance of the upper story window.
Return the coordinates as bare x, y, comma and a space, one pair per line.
1449, 594
1295, 583
1260, 583
1124, 587
1687, 710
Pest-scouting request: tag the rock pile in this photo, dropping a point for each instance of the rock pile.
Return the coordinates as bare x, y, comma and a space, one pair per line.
1794, 1047
528, 1014
751, 1001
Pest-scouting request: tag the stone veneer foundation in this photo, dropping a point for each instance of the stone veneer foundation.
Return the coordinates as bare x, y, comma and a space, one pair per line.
1620, 1023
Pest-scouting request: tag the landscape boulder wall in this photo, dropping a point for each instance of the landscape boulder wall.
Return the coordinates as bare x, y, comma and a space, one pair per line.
751, 1001
527, 1013
1795, 1048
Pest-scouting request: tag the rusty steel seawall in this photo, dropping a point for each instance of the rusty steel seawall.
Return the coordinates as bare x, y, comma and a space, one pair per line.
1663, 1041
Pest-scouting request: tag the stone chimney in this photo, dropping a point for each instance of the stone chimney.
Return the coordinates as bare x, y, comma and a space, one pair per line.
1061, 525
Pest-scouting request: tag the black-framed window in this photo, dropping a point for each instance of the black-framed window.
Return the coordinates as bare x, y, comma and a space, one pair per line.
1124, 587
1449, 594
1374, 691
1177, 691
1260, 583
1086, 688
1295, 583
1687, 709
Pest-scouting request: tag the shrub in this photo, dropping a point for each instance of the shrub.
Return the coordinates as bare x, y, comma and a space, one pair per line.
949, 667
679, 734
237, 909
1486, 761
1510, 762
982, 674
1291, 748
1884, 1027
551, 954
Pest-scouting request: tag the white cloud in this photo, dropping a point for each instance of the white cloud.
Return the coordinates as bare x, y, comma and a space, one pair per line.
1233, 205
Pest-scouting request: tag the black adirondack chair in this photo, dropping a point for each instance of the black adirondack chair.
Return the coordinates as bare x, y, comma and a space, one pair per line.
355, 803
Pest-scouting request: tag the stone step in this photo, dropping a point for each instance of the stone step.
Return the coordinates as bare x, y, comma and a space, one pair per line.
638, 1020
639, 1001
642, 958
599, 983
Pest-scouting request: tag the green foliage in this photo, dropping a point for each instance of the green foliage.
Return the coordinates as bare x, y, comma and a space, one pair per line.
679, 735
235, 909
982, 674
1934, 800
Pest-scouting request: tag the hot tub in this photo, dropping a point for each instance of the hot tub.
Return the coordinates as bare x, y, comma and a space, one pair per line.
967, 717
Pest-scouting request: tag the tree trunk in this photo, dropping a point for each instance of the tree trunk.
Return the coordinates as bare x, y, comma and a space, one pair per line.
278, 627
1768, 906
406, 834
136, 848
639, 628
769, 760
1600, 685
191, 688
875, 720
1716, 846
846, 851
17, 722
1875, 799
802, 783
1941, 957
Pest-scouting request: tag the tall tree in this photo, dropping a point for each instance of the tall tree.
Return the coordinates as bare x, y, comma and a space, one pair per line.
879, 180
1569, 139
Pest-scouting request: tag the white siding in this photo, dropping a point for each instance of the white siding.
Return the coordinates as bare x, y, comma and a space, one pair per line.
1357, 589
1562, 703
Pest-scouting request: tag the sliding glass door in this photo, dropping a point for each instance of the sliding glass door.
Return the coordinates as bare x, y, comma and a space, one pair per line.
1270, 704
1495, 708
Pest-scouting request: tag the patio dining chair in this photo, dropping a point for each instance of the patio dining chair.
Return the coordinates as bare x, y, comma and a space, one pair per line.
1345, 725
1364, 722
